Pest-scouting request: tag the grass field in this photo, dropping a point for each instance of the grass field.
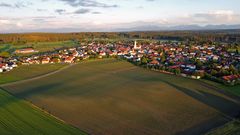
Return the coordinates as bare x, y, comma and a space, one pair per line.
50, 46
18, 117
231, 128
25, 72
115, 97
39, 46
231, 89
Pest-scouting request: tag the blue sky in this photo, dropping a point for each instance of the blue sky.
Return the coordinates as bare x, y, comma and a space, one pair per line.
92, 15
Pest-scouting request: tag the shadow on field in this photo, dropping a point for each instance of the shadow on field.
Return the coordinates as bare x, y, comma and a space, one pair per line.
227, 108
36, 90
5, 100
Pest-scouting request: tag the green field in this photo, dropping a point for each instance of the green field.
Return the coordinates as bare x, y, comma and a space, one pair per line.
231, 89
114, 97
18, 117
50, 46
25, 72
39, 46
231, 128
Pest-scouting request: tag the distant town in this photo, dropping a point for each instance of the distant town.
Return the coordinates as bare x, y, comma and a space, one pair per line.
213, 62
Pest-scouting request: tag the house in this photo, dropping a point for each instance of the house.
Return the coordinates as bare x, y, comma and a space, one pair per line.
55, 60
231, 78
45, 60
102, 54
3, 65
191, 66
75, 53
174, 67
196, 77
1, 68
69, 59
12, 65
215, 57
154, 62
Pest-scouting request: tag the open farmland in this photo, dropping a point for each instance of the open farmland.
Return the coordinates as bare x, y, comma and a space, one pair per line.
231, 128
231, 89
28, 71
18, 117
115, 97
38, 46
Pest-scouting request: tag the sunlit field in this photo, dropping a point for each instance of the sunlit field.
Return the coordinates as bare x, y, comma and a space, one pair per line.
18, 117
28, 71
114, 97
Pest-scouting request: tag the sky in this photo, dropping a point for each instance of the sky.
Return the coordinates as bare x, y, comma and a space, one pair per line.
100, 15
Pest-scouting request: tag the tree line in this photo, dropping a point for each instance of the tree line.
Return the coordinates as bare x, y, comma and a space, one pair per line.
212, 36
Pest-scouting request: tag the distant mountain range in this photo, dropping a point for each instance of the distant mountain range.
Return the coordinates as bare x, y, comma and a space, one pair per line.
135, 27
180, 27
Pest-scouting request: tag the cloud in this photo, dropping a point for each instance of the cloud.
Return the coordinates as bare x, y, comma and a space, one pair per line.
5, 5
215, 17
41, 10
88, 3
82, 11
16, 5
60, 11
4, 21
96, 12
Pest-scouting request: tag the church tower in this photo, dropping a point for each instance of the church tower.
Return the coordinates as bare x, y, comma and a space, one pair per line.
135, 44
136, 47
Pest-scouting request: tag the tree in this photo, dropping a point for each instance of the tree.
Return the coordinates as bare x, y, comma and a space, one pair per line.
5, 54
233, 70
199, 64
177, 71
160, 50
163, 58
224, 72
214, 72
144, 60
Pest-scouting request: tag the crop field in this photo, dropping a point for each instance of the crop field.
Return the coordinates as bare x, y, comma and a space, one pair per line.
18, 117
39, 46
114, 97
26, 72
51, 46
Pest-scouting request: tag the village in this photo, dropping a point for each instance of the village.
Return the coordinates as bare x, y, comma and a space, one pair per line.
194, 61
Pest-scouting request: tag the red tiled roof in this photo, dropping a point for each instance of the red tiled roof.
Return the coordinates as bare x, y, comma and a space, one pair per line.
154, 62
231, 77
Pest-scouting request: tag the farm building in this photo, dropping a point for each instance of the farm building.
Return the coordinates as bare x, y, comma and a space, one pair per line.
25, 50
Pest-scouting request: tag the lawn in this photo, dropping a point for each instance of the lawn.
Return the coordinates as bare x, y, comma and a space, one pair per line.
114, 97
25, 72
18, 117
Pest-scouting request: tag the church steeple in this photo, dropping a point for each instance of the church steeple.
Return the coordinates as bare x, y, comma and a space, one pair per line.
136, 46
